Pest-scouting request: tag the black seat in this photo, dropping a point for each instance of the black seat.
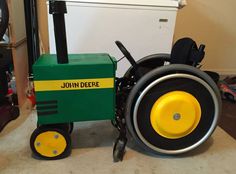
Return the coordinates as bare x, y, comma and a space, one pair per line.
185, 51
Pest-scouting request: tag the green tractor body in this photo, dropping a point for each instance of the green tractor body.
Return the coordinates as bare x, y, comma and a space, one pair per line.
82, 90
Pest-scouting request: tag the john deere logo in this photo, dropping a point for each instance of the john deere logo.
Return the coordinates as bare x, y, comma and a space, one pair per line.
80, 84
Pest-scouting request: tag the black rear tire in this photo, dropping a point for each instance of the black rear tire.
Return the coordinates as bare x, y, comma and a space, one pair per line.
144, 83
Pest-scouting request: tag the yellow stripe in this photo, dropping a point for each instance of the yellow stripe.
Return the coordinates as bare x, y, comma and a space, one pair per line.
79, 84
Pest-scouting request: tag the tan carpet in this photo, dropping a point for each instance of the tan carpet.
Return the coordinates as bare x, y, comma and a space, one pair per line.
92, 153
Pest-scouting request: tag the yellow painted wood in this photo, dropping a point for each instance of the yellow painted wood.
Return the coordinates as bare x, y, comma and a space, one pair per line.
175, 114
50, 144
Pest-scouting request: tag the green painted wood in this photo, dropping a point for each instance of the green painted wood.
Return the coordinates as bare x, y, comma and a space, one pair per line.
75, 105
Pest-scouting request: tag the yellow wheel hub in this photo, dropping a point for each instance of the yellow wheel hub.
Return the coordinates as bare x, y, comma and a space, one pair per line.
175, 114
50, 144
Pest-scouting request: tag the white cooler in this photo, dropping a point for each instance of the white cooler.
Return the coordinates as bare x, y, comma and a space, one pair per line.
144, 26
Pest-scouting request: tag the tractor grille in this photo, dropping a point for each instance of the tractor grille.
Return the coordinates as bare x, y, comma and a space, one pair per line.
45, 108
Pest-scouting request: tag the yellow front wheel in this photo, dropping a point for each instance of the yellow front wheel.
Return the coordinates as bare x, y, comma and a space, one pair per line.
50, 143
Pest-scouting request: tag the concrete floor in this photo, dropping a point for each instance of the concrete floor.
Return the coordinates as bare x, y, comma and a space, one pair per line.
92, 153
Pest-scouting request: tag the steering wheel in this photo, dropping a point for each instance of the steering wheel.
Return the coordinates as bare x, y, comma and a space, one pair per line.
126, 54
4, 18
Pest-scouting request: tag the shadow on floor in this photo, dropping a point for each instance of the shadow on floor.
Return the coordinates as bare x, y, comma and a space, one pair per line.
93, 134
102, 134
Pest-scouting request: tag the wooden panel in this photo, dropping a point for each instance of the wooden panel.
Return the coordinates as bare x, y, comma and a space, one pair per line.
43, 25
20, 60
19, 47
17, 20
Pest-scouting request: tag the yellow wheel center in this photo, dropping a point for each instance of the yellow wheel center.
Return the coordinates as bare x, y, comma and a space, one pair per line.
175, 114
50, 144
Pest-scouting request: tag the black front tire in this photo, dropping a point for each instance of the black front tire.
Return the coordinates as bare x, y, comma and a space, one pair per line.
44, 129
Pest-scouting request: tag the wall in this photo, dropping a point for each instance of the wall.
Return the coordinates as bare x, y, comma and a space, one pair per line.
211, 22
207, 21
19, 47
17, 19
43, 24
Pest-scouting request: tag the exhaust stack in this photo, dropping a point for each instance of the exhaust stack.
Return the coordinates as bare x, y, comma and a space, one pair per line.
58, 9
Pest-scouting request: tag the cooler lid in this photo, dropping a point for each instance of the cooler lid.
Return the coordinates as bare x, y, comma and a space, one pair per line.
156, 3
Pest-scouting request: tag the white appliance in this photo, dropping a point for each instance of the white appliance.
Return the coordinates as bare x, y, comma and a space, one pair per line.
144, 26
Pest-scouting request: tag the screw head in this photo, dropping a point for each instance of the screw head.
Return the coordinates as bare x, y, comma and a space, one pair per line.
54, 152
177, 116
38, 144
56, 136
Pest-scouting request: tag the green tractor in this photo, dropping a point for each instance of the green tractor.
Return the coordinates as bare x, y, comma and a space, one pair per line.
168, 109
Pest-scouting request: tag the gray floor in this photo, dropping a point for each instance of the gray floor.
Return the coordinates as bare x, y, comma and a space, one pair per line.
92, 153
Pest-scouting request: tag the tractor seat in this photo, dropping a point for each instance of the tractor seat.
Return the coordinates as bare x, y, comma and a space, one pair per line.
185, 51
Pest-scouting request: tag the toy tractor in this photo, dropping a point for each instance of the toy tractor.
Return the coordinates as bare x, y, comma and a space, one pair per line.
168, 109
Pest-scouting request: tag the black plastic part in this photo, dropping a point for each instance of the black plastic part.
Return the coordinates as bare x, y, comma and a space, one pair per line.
31, 23
148, 63
121, 141
126, 53
119, 149
58, 9
130, 59
119, 121
197, 55
202, 48
201, 52
3, 85
71, 127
